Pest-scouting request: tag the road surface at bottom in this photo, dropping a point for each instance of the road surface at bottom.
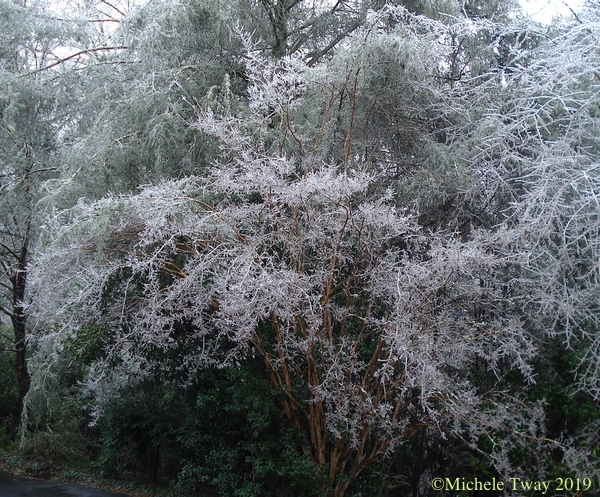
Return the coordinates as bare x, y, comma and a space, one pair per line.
16, 486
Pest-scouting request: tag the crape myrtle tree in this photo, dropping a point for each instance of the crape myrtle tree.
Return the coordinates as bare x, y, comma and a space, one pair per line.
531, 134
536, 134
311, 260
556, 107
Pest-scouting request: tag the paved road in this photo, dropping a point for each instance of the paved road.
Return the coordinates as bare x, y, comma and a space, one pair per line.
15, 486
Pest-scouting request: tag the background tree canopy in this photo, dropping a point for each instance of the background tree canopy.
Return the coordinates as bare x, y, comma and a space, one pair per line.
301, 248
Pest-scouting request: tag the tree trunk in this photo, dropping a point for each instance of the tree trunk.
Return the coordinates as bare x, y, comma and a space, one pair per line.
19, 320
339, 490
23, 380
278, 12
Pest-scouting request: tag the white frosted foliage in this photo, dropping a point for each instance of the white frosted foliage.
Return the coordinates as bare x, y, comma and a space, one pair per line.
367, 323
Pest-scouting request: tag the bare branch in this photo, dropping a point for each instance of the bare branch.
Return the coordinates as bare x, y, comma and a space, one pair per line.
64, 59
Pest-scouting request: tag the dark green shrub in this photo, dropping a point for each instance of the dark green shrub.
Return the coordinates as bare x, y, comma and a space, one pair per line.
9, 392
226, 435
240, 441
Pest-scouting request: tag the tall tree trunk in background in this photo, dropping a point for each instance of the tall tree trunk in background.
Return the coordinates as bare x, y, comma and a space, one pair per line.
19, 319
278, 12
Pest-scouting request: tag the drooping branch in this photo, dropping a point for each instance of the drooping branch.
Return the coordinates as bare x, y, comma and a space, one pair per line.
72, 56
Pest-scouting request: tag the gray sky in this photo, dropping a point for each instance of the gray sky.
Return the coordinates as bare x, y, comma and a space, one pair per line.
545, 10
